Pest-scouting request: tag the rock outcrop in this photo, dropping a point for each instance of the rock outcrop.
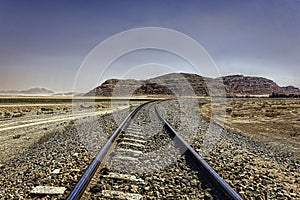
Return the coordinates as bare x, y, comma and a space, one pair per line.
179, 84
247, 85
184, 84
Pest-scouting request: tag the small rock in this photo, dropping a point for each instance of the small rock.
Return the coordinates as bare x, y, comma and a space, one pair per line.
48, 190
95, 189
76, 154
104, 171
56, 171
17, 114
16, 136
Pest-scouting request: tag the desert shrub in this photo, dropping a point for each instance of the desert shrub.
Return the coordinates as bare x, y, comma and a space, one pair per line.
237, 114
26, 110
278, 95
272, 114
238, 105
7, 114
294, 134
228, 110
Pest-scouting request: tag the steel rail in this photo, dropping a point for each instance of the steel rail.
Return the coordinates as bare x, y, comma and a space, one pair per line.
208, 171
84, 181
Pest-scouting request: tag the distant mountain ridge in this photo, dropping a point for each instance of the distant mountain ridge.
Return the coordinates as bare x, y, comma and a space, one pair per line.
185, 84
30, 91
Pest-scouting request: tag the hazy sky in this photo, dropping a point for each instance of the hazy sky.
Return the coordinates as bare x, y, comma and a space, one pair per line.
43, 43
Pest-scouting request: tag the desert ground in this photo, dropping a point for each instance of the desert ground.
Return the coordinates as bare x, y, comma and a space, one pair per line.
257, 151
273, 121
24, 121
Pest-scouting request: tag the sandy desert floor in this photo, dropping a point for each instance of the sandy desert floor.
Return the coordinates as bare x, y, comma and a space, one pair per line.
274, 121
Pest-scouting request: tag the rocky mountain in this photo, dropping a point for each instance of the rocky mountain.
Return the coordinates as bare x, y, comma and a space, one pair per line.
247, 85
31, 91
170, 84
184, 84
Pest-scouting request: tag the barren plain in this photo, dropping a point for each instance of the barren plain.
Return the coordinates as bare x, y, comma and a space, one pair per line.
273, 121
24, 121
257, 152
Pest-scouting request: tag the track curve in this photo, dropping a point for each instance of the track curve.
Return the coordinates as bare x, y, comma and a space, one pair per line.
126, 145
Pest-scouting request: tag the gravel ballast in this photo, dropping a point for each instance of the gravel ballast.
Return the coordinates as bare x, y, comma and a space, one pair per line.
255, 169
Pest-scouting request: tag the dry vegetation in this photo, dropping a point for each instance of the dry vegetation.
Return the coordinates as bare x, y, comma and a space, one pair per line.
275, 121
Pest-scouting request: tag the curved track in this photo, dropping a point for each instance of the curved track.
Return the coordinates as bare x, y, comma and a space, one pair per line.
124, 150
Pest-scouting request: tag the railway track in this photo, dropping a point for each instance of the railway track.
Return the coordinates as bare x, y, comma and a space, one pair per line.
130, 165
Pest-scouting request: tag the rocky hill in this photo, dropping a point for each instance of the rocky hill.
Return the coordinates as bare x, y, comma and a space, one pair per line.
184, 84
247, 85
176, 83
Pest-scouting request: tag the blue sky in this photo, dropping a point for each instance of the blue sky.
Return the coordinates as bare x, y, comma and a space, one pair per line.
43, 43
